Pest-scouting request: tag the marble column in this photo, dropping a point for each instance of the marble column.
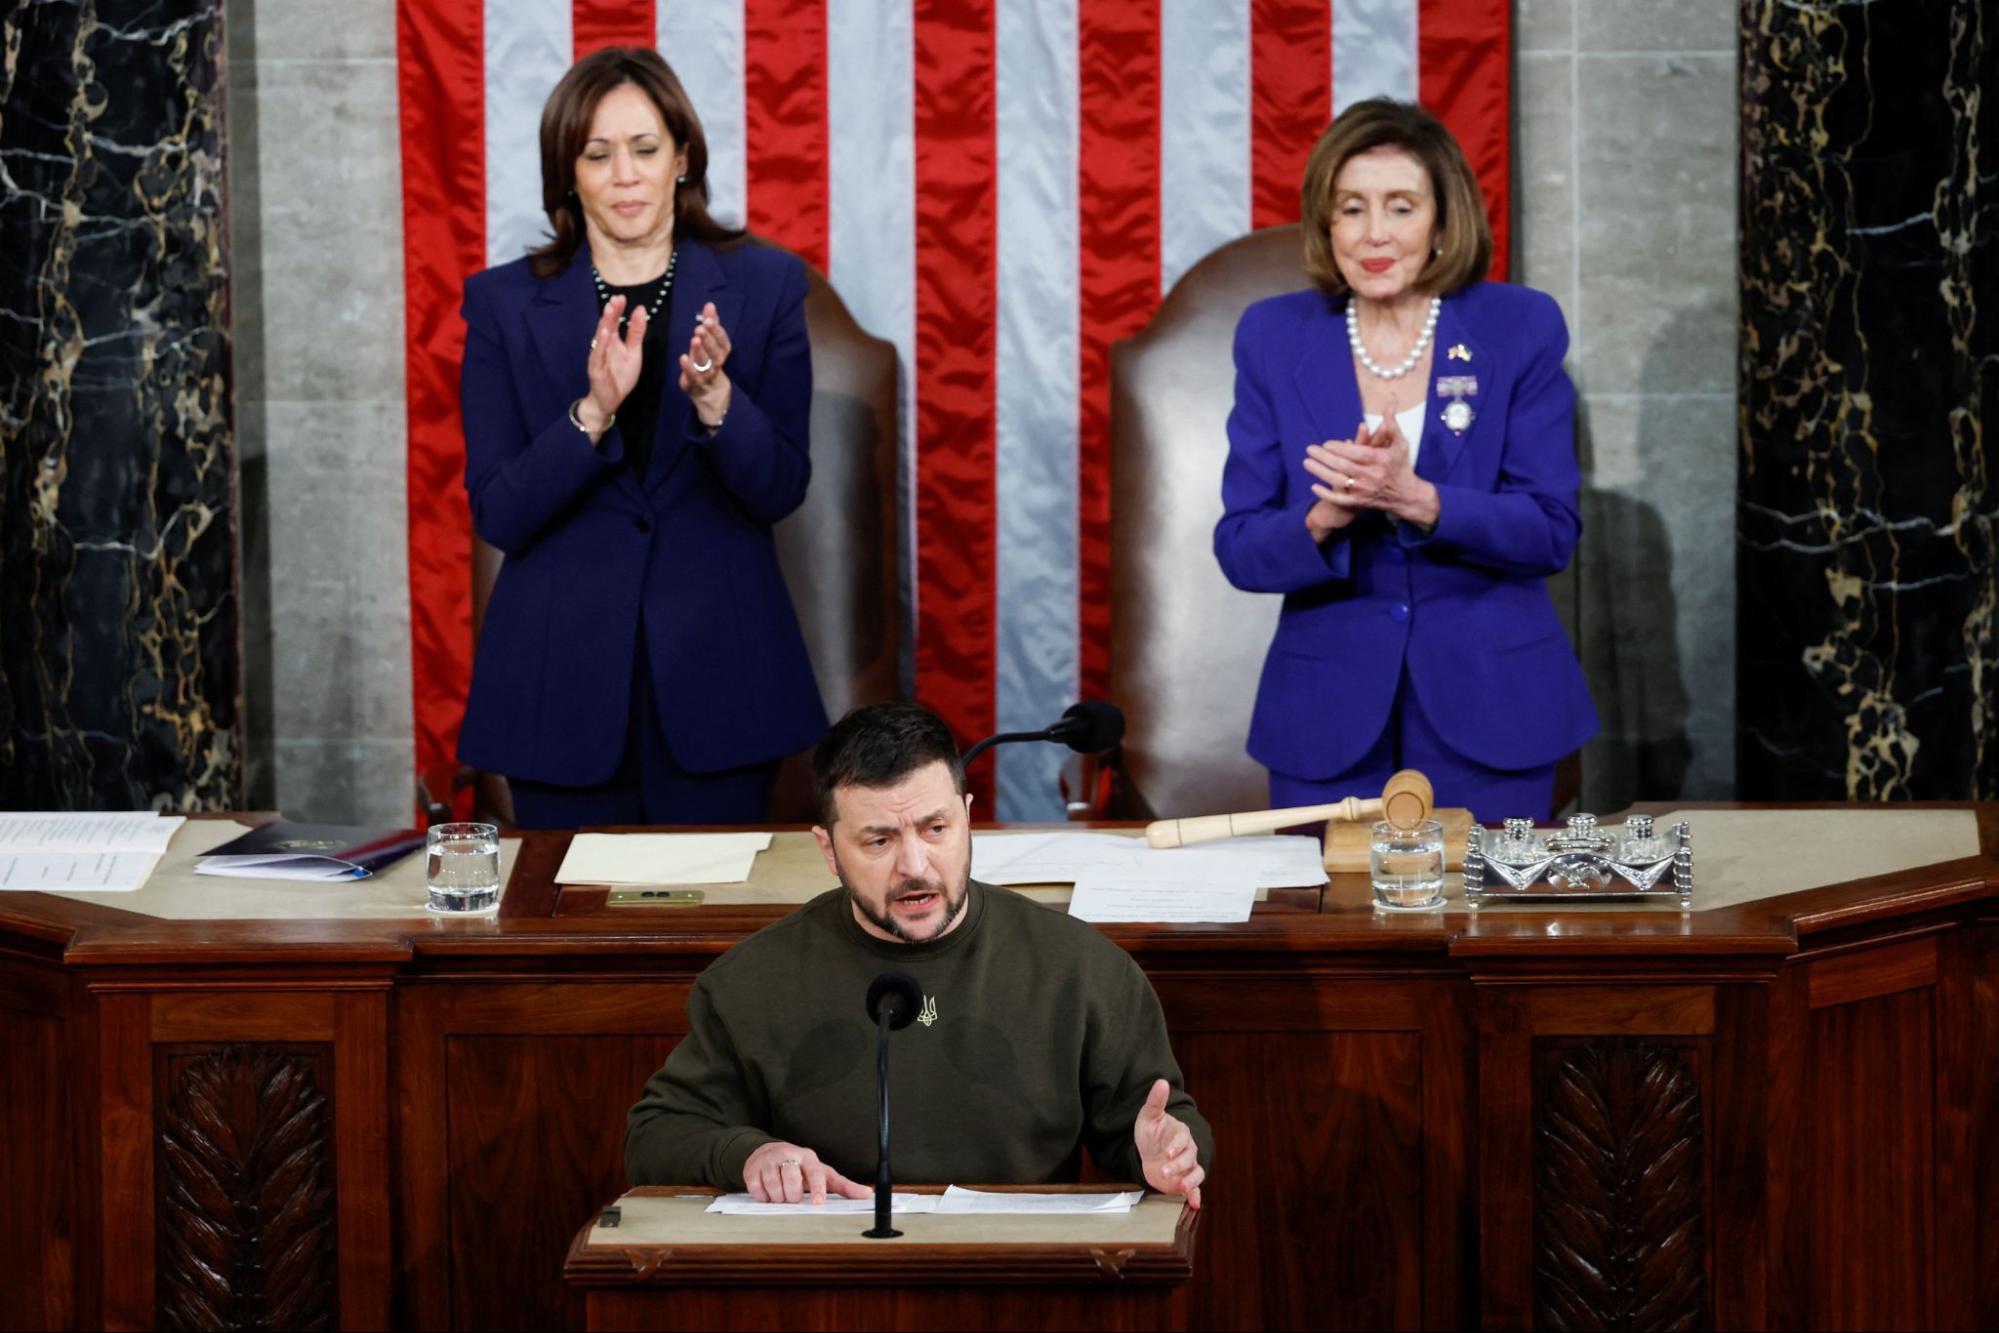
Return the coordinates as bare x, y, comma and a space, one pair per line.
1868, 665
119, 675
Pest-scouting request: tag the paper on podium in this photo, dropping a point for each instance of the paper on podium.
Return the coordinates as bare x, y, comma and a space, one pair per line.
1268, 862
742, 1205
71, 872
660, 858
1121, 878
957, 1199
63, 851
94, 831
954, 1200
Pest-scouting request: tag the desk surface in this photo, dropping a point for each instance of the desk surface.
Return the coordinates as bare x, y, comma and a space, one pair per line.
1763, 877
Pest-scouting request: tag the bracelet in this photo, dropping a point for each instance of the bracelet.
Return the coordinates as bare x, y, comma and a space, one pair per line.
577, 421
715, 429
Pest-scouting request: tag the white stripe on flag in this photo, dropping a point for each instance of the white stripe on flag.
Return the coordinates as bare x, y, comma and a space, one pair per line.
1038, 392
1203, 131
703, 41
1374, 51
528, 48
871, 213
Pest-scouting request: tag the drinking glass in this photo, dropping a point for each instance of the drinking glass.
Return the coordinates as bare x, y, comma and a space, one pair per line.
1407, 865
464, 867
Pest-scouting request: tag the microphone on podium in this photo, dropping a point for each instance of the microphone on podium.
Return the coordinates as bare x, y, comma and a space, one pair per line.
1089, 727
893, 1001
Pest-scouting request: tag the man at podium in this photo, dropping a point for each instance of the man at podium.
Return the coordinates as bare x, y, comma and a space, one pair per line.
1038, 1038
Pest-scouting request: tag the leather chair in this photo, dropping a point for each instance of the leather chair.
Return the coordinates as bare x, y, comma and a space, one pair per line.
839, 551
1186, 646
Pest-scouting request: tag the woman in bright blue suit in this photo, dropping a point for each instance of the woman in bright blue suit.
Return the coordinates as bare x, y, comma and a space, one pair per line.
636, 395
1402, 469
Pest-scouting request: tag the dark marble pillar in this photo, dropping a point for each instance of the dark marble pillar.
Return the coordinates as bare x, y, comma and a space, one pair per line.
118, 637
1868, 658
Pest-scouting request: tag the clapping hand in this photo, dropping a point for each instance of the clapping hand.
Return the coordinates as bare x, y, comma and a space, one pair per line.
1338, 504
781, 1172
701, 376
614, 365
1371, 471
1166, 1148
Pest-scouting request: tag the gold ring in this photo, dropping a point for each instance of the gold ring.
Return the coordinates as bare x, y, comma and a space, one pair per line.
1349, 481
789, 1161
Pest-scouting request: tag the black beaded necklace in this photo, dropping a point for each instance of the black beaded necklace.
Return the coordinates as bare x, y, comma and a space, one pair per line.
657, 304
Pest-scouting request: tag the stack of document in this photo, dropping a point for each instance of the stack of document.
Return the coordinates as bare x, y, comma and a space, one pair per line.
1123, 879
660, 858
955, 1200
50, 851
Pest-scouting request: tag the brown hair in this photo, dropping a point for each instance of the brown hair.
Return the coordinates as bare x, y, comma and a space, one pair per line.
565, 128
1463, 237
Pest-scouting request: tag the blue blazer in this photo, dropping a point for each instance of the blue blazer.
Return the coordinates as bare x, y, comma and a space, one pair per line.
595, 559
1464, 612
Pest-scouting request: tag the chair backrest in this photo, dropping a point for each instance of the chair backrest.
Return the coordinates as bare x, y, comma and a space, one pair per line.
839, 550
1186, 647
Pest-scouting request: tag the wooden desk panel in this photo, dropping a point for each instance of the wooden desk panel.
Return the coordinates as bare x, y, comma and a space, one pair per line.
1389, 1095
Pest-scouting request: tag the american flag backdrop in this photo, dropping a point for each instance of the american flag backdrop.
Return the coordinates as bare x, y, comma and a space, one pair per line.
1001, 188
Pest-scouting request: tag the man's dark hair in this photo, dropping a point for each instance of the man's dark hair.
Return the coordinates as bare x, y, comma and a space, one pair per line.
878, 745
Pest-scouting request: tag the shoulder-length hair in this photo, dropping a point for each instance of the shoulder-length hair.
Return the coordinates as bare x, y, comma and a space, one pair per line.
565, 129
1463, 238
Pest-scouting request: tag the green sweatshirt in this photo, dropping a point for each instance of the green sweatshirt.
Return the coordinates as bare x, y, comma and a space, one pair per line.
1038, 1038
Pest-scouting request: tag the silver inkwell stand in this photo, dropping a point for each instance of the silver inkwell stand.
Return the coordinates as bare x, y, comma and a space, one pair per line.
1580, 863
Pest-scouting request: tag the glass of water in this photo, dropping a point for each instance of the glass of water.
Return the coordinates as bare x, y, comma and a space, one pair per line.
1407, 864
464, 867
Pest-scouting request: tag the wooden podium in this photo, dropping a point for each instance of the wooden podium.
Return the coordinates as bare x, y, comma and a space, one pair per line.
668, 1263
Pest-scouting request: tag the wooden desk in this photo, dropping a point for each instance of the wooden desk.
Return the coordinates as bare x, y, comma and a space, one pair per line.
668, 1265
1779, 1112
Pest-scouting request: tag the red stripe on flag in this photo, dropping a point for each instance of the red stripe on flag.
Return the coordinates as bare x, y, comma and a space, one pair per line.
1119, 253
1464, 61
957, 312
1290, 100
440, 75
784, 124
596, 24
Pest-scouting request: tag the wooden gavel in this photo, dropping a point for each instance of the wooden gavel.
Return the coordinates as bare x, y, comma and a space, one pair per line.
1405, 800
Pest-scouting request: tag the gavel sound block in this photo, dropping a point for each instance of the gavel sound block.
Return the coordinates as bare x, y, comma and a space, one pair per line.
1405, 800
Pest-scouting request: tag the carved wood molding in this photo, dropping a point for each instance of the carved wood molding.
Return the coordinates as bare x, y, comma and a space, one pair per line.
1619, 1234
246, 1231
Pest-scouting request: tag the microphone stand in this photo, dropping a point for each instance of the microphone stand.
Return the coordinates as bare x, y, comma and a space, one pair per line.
1005, 737
884, 1190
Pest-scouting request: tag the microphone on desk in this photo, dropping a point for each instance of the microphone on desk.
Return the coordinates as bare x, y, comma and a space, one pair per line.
893, 1001
1089, 727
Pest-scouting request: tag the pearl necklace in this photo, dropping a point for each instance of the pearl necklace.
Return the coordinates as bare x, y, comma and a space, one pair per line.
658, 302
1408, 363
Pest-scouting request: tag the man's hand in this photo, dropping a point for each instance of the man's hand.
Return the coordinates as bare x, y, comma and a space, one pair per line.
1166, 1148
787, 1173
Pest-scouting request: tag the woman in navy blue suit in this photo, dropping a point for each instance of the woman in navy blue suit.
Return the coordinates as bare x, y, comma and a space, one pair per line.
1402, 469
635, 396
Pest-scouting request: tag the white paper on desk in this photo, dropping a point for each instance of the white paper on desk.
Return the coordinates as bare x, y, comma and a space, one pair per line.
957, 1199
1111, 896
742, 1205
1070, 857
660, 858
70, 872
87, 831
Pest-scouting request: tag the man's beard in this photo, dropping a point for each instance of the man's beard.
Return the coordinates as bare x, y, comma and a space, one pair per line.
954, 907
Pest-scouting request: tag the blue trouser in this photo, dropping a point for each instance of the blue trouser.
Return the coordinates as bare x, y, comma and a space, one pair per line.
649, 786
1408, 741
